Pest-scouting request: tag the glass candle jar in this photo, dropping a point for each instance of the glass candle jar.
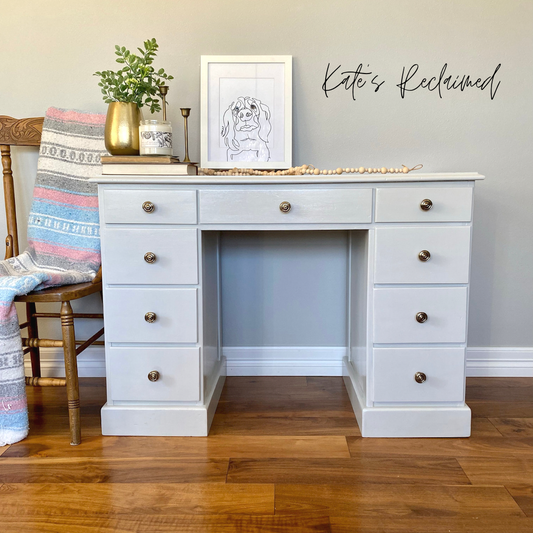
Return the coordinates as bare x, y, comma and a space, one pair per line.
155, 137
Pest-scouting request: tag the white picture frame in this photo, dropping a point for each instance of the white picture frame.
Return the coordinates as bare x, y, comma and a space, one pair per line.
246, 112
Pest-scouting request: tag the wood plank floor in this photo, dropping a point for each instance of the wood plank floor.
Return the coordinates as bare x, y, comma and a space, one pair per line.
284, 454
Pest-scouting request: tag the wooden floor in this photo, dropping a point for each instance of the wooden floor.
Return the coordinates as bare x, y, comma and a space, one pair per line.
284, 454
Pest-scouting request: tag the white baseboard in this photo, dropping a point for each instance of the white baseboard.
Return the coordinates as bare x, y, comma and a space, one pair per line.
284, 360
499, 362
91, 363
300, 361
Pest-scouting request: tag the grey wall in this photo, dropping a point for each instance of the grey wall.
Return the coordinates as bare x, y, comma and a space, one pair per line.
284, 288
50, 49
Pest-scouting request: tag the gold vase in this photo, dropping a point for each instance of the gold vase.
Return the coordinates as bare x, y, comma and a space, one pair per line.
122, 128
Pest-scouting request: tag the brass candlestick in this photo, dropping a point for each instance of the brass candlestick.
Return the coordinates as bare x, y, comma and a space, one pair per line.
185, 112
163, 91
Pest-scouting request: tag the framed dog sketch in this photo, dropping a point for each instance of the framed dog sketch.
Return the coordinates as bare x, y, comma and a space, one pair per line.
246, 117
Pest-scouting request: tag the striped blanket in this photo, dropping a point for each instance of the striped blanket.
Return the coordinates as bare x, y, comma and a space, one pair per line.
63, 243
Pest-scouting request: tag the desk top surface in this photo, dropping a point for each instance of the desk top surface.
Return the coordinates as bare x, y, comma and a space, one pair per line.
412, 177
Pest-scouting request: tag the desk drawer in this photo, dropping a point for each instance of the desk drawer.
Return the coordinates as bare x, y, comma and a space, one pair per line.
403, 204
176, 256
395, 311
178, 376
125, 206
395, 369
175, 310
398, 259
316, 206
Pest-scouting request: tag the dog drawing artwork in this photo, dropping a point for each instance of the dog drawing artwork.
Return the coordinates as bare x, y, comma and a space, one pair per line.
245, 129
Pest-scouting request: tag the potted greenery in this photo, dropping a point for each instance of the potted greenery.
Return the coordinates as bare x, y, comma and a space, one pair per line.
134, 86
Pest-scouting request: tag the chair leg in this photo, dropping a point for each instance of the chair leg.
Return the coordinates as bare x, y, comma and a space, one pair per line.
71, 372
33, 333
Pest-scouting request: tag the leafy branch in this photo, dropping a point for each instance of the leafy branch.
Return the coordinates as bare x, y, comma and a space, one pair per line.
137, 81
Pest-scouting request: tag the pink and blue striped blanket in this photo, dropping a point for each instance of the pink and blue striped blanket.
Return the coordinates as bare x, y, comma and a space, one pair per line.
63, 243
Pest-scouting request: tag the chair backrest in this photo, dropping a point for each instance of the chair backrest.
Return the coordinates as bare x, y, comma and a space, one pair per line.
15, 132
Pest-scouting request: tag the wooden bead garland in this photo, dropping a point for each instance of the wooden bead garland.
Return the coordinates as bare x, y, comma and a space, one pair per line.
305, 170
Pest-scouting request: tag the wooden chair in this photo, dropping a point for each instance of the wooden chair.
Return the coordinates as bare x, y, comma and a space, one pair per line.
27, 132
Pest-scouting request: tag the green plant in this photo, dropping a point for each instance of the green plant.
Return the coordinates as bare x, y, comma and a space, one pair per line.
138, 81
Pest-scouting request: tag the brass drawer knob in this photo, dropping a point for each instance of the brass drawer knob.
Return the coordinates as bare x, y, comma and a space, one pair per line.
150, 257
420, 377
426, 204
285, 207
153, 375
150, 317
421, 317
424, 255
149, 207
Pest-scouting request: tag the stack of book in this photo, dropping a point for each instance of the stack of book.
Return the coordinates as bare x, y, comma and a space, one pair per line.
154, 165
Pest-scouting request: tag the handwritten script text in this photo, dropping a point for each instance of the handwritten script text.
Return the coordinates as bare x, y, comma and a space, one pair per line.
361, 79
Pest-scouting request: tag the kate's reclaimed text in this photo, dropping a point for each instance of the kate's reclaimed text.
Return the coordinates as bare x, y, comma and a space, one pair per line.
360, 80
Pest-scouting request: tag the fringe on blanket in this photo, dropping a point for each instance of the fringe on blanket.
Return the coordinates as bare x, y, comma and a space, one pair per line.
63, 243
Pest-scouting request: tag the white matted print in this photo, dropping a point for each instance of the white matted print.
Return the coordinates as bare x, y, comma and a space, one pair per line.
246, 112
